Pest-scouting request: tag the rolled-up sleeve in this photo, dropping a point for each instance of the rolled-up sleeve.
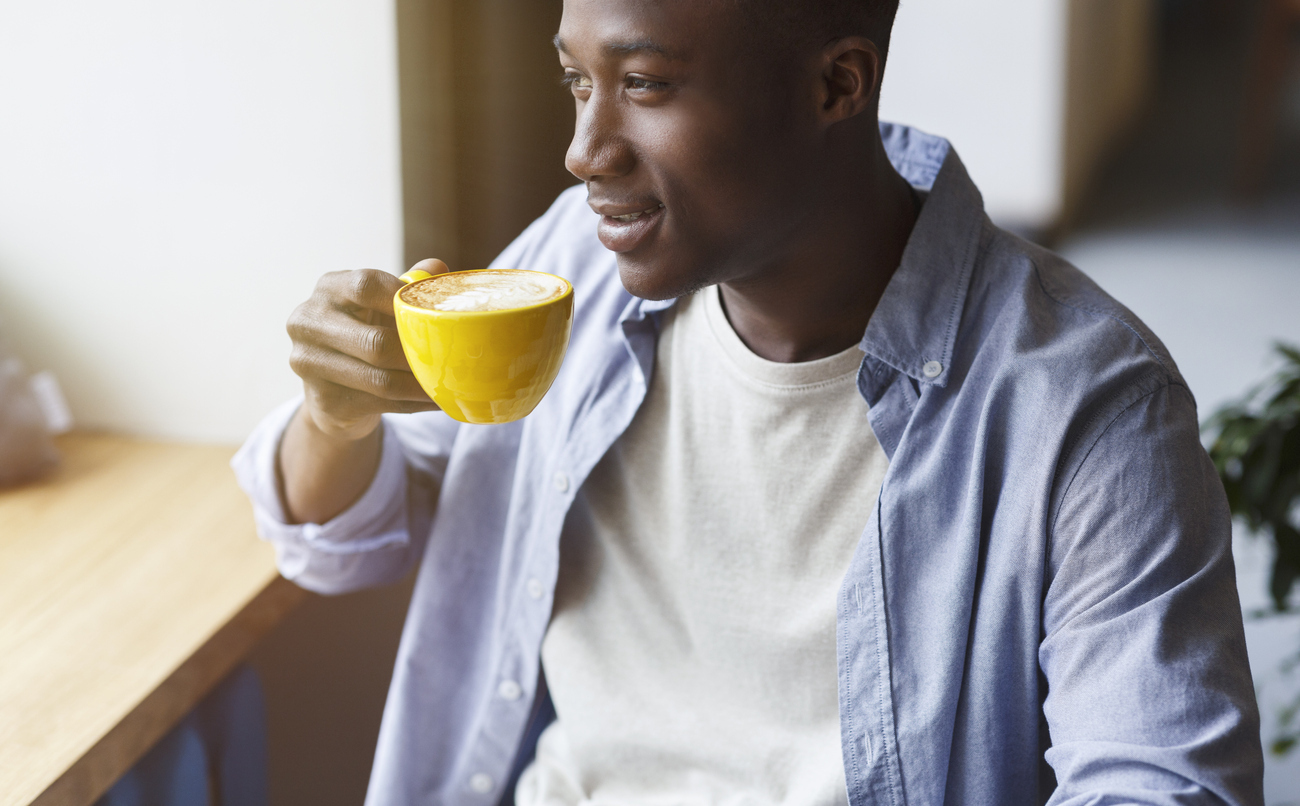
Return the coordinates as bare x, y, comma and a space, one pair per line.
1149, 697
373, 542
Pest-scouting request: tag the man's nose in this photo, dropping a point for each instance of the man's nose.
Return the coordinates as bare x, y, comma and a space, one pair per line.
599, 149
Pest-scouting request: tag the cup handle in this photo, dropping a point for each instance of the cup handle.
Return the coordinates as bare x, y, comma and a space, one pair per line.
414, 275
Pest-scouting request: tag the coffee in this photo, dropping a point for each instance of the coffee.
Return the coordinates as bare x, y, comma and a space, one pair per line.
485, 290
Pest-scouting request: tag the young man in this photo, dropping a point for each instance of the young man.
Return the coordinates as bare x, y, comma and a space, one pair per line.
843, 495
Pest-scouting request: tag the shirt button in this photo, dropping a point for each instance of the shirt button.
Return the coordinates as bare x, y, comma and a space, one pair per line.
481, 783
535, 589
509, 690
932, 369
561, 482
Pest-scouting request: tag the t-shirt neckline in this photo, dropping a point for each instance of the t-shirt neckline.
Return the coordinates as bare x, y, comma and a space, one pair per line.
775, 373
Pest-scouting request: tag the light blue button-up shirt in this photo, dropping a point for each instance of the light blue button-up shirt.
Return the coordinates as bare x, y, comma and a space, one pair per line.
1042, 607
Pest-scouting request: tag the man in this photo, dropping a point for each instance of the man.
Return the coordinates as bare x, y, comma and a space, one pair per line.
843, 495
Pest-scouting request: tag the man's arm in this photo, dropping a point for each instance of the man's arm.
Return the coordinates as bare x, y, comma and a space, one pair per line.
1149, 698
342, 500
347, 352
321, 474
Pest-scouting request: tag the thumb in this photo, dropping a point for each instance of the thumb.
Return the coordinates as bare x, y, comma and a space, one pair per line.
432, 265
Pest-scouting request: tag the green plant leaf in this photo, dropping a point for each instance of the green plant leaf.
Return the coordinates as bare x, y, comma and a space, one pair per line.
1255, 447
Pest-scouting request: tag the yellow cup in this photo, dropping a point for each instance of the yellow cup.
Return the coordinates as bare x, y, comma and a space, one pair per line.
485, 366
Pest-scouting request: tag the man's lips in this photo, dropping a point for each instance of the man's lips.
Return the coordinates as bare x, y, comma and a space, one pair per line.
623, 227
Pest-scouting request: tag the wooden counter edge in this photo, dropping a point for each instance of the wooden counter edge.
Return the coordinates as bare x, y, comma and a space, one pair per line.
124, 745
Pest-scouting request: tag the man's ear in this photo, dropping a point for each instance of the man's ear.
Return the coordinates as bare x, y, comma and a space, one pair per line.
850, 77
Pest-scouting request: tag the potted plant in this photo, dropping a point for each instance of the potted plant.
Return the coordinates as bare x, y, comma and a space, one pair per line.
1256, 450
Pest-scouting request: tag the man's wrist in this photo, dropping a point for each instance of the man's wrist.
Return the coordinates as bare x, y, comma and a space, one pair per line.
318, 469
332, 433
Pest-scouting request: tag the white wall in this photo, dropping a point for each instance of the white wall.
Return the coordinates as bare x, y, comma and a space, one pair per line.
991, 78
174, 176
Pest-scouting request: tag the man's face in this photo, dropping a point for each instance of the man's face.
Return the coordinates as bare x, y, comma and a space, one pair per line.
695, 148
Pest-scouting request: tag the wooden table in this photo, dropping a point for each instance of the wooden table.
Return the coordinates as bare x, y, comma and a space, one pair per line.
131, 582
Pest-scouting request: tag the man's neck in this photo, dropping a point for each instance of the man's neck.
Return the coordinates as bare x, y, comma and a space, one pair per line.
817, 301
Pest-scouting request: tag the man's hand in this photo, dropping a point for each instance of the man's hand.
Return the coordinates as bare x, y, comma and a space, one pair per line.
346, 350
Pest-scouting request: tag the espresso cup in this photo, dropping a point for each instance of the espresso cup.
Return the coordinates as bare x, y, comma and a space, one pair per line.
484, 366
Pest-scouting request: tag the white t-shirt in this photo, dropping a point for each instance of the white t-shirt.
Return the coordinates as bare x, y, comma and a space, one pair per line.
691, 651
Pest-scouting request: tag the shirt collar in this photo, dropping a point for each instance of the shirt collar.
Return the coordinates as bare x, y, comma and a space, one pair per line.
914, 326
915, 322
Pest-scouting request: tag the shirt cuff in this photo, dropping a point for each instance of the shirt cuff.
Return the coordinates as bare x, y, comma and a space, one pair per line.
376, 520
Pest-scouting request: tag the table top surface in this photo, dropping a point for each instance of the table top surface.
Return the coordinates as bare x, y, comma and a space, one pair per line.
114, 572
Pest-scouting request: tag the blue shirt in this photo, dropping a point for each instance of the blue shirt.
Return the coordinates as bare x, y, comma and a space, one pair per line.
1041, 609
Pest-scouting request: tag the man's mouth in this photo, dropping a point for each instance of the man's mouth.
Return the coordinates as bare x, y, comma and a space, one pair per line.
635, 216
622, 230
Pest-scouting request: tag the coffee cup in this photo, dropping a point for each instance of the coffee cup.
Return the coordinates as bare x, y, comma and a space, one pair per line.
486, 345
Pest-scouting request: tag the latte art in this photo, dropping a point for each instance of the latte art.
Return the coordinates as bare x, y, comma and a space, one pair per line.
485, 290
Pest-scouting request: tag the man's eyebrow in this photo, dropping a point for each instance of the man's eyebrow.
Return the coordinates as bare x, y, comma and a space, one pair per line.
625, 48
639, 46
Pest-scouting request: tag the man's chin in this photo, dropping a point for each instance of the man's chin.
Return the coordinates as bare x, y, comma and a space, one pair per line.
653, 282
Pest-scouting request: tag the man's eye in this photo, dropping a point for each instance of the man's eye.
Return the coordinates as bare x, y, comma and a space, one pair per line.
634, 83
575, 81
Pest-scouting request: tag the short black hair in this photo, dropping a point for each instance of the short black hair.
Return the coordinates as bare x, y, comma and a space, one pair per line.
813, 23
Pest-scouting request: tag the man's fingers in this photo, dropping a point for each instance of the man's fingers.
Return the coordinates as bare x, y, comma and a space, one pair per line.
376, 344
371, 289
346, 348
366, 289
313, 363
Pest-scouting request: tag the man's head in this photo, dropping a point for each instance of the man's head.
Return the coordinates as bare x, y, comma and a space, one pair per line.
713, 135
803, 24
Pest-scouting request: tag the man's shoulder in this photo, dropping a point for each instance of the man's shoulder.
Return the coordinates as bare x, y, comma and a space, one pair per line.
1043, 313
1050, 351
563, 241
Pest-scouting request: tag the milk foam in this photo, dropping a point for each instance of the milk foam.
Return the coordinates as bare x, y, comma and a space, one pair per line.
483, 291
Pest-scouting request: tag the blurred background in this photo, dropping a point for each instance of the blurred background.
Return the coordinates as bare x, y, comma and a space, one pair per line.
174, 176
